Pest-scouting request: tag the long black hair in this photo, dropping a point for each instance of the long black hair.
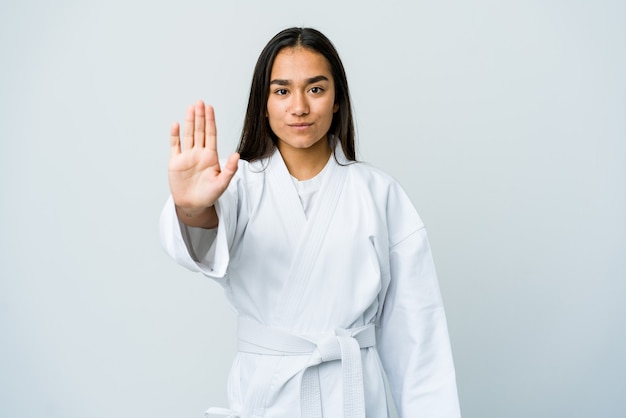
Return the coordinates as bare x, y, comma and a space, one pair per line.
257, 139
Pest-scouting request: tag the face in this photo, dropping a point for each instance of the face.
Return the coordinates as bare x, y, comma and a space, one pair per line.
301, 100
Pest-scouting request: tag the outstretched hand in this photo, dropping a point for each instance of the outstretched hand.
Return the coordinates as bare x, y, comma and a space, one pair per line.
195, 176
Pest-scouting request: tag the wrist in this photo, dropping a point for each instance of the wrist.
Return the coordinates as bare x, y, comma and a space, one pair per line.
192, 212
205, 217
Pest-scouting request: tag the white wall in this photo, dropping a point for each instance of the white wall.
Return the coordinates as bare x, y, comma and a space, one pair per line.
505, 122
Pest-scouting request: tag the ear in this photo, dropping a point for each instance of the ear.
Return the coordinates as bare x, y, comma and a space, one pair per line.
335, 107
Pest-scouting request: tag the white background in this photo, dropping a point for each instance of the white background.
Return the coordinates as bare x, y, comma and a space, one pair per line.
504, 120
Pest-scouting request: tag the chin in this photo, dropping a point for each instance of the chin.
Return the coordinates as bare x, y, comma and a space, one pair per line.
300, 144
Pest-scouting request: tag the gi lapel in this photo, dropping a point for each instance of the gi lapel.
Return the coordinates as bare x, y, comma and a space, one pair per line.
311, 239
285, 197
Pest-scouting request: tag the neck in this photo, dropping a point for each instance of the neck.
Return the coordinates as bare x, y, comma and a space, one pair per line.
305, 163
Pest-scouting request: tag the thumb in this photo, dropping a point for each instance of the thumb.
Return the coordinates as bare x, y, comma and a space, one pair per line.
229, 169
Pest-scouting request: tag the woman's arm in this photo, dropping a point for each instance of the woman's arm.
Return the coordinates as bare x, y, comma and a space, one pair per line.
412, 336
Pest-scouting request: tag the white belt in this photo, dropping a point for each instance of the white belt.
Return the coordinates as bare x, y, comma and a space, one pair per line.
342, 344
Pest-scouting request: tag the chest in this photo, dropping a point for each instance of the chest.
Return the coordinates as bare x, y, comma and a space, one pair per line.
342, 257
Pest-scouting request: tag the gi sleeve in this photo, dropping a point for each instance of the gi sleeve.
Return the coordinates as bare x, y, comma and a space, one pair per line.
412, 333
198, 249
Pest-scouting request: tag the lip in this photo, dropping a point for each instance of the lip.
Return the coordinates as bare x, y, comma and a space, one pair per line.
299, 126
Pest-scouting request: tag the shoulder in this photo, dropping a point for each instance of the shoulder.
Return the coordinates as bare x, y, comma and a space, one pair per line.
390, 197
375, 179
367, 172
362, 172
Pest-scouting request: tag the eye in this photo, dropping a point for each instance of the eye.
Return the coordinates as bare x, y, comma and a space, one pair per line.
281, 92
316, 90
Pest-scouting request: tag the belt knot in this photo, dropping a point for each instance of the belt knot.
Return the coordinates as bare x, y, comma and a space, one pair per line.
341, 344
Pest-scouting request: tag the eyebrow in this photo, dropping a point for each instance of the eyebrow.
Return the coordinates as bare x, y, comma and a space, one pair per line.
311, 80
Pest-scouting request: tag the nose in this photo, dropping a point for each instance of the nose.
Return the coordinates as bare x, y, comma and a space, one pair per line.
299, 104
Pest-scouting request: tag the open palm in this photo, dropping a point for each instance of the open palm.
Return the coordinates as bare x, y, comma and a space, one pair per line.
195, 176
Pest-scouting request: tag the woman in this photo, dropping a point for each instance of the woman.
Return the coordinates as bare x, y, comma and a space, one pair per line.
324, 258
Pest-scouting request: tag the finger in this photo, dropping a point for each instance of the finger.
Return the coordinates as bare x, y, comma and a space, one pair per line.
188, 131
174, 139
198, 135
211, 129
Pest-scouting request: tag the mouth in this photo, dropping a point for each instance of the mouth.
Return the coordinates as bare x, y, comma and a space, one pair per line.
299, 126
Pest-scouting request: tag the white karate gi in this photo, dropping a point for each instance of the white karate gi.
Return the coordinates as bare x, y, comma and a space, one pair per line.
326, 299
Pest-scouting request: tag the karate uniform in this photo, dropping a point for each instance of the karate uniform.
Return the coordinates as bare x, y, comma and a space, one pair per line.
333, 286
